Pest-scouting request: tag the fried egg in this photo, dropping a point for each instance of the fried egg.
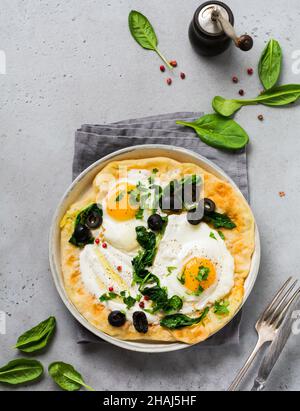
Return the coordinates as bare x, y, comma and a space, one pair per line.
120, 207
194, 263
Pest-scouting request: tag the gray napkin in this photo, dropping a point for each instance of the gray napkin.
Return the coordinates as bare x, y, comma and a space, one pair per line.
93, 142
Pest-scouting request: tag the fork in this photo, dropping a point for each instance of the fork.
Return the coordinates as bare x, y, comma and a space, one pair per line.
267, 326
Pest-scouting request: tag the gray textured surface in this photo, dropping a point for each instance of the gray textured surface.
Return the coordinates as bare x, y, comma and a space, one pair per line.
73, 62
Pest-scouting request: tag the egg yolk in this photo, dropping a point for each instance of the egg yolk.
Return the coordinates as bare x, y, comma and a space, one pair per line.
119, 204
198, 274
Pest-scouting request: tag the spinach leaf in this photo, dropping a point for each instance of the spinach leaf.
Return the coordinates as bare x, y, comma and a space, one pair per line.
144, 34
145, 238
219, 132
269, 66
177, 321
221, 307
276, 97
219, 220
159, 296
21, 371
67, 377
37, 337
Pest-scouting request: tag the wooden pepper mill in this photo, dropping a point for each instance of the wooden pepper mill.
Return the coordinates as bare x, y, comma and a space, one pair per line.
211, 31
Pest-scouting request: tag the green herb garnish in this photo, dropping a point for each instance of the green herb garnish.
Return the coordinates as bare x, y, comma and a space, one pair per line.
170, 270
203, 273
120, 196
219, 220
221, 235
139, 214
212, 235
221, 307
108, 296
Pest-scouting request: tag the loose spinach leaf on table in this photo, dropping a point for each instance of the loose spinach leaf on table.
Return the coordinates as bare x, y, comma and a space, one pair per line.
20, 371
177, 321
67, 377
37, 337
144, 34
276, 97
219, 132
269, 67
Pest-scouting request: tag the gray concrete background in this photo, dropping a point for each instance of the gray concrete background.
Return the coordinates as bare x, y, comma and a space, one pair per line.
72, 62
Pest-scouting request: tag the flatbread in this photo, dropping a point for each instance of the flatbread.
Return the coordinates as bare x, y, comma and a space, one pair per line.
239, 241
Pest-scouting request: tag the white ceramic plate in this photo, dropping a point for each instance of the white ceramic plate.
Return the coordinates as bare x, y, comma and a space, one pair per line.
82, 183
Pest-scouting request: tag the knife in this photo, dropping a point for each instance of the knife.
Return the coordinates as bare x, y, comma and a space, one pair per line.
273, 353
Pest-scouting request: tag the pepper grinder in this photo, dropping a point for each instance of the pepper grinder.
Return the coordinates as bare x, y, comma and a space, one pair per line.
211, 30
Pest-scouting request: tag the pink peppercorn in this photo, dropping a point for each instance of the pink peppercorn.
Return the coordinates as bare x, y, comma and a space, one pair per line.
182, 76
241, 92
169, 81
235, 79
97, 241
142, 304
111, 289
104, 245
162, 68
250, 71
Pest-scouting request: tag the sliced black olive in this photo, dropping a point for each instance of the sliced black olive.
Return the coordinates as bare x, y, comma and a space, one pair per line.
195, 216
171, 203
140, 322
93, 220
209, 205
155, 222
82, 233
116, 318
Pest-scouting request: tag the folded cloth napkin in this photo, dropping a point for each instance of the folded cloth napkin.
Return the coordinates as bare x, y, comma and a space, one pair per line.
93, 142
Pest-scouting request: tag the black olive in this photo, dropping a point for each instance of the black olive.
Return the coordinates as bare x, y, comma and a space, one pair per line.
171, 203
82, 233
209, 205
155, 222
195, 216
93, 220
140, 322
116, 318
